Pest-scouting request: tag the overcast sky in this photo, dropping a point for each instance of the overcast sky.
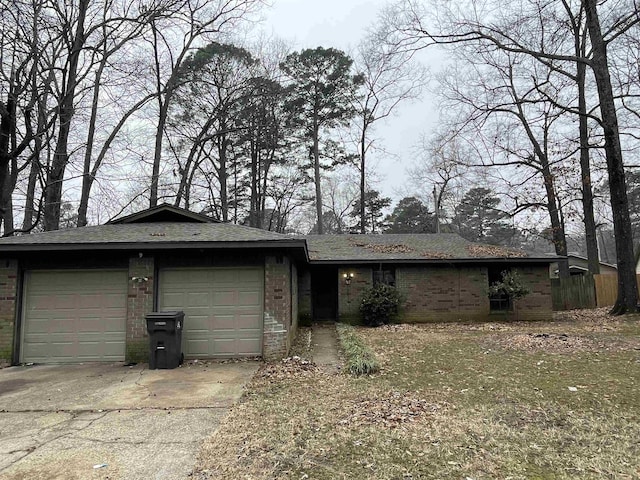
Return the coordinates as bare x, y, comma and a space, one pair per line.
341, 24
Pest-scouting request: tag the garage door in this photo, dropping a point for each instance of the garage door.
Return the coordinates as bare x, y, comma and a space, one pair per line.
74, 316
222, 306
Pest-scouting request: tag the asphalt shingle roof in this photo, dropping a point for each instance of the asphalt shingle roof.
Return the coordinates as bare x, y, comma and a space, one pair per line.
147, 233
408, 247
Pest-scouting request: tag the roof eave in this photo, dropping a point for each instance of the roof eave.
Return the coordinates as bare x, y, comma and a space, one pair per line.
146, 246
437, 260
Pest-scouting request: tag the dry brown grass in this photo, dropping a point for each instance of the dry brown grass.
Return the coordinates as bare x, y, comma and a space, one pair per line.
451, 401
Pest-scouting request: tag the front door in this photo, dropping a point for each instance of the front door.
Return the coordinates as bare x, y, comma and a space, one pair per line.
324, 292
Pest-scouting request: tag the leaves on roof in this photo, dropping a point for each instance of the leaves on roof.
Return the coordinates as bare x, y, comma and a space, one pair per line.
477, 250
383, 247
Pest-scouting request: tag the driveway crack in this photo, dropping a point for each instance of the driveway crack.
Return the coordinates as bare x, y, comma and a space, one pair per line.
30, 450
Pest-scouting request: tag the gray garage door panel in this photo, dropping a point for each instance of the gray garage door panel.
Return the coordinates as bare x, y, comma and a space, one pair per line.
74, 316
223, 309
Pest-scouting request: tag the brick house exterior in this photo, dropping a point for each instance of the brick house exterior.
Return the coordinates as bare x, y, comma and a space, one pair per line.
438, 277
278, 282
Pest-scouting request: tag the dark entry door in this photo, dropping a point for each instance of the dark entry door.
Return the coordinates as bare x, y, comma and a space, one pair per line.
324, 292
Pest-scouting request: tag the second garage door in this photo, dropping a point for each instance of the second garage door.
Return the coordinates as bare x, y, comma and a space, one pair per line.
223, 309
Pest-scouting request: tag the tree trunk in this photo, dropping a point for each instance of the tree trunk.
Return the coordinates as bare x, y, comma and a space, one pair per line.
254, 201
29, 203
593, 258
55, 177
7, 133
7, 204
222, 175
162, 120
157, 153
627, 284
363, 139
86, 171
316, 176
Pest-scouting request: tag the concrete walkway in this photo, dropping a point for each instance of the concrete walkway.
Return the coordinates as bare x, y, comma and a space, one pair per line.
325, 347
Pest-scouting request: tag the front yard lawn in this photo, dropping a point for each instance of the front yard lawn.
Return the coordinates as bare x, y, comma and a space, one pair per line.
545, 400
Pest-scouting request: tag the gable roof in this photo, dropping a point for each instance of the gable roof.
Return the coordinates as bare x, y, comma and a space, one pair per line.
163, 213
410, 248
145, 236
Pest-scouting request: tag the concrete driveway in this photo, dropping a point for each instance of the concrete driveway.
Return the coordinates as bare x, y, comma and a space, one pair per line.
112, 421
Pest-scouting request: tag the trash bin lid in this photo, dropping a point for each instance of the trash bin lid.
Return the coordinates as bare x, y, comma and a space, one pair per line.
165, 315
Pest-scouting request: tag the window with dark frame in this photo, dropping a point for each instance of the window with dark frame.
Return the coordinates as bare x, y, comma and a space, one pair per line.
500, 302
385, 276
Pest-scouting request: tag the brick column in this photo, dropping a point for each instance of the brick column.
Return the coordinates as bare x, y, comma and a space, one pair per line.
277, 307
8, 289
139, 303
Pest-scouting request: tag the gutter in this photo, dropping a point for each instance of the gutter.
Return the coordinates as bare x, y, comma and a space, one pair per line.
546, 260
148, 246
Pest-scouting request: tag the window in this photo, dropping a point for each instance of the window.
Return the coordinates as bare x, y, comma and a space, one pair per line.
498, 302
385, 276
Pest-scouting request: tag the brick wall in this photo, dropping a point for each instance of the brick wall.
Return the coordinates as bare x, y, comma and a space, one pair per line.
277, 307
537, 305
140, 296
304, 297
8, 289
349, 296
434, 294
293, 319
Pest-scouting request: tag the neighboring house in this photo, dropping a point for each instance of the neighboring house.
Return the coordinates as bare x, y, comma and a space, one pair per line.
579, 265
82, 294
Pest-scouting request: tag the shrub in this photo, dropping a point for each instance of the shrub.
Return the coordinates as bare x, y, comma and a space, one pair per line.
360, 359
511, 285
380, 305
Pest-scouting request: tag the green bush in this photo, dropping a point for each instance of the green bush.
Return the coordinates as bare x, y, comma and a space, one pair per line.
360, 359
380, 305
511, 285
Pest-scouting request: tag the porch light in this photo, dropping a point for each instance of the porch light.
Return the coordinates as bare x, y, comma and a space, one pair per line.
348, 277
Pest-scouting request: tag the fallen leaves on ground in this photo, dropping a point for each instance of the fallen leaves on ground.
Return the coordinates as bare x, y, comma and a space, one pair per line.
389, 410
287, 368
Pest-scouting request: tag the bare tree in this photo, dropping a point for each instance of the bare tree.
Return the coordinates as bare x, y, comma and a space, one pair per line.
120, 26
173, 37
469, 25
390, 76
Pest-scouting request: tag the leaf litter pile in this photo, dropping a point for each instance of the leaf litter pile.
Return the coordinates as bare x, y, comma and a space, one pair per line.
390, 410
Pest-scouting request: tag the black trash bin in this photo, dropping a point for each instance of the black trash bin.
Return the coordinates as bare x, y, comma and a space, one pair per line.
165, 339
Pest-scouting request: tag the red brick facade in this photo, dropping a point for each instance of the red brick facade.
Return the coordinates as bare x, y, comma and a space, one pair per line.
140, 301
8, 289
447, 293
350, 294
537, 305
278, 322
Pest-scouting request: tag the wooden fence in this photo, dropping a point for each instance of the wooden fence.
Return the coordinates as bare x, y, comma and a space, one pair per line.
607, 289
585, 291
573, 292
